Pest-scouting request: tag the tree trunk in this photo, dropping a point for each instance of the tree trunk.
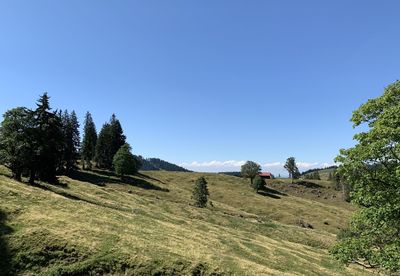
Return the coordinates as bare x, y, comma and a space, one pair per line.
32, 177
17, 176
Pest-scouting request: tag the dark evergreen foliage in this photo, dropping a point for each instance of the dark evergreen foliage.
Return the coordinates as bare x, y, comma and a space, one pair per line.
103, 156
110, 139
89, 142
118, 138
37, 144
49, 139
46, 143
70, 127
200, 193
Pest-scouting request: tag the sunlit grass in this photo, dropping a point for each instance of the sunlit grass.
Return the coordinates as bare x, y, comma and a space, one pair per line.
93, 222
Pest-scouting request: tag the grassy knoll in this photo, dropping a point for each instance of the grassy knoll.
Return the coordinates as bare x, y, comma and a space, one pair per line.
94, 223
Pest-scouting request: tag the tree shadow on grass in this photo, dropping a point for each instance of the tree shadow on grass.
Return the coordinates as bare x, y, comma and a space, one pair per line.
308, 184
78, 198
141, 183
266, 191
149, 177
60, 192
100, 178
92, 178
5, 252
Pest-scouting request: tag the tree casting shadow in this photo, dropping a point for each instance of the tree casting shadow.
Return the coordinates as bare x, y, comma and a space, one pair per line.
5, 252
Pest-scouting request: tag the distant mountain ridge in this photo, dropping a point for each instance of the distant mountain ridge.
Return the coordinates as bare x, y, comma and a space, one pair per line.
156, 164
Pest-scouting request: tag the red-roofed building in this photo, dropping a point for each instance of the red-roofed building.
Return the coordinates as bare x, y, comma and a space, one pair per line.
266, 175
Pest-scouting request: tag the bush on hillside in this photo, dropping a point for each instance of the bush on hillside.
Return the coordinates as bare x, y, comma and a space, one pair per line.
200, 193
124, 162
258, 183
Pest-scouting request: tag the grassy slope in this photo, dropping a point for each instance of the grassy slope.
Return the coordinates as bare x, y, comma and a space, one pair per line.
324, 173
147, 226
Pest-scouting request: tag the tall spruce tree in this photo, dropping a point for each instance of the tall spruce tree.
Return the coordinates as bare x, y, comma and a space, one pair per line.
49, 138
103, 155
89, 142
118, 138
70, 126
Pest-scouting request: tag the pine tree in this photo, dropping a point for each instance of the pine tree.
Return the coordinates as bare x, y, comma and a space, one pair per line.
49, 139
118, 139
70, 126
103, 156
200, 193
89, 142
124, 162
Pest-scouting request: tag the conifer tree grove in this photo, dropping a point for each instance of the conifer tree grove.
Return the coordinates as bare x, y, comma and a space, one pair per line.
110, 139
89, 142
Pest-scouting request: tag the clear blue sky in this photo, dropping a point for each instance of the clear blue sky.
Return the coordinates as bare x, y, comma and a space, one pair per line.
202, 81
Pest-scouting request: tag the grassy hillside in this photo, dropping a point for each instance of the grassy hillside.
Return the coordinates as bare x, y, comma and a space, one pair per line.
323, 173
94, 223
